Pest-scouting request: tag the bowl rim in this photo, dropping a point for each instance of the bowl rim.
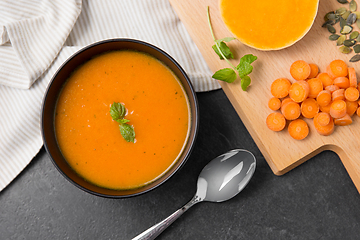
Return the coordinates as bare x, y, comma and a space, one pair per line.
190, 141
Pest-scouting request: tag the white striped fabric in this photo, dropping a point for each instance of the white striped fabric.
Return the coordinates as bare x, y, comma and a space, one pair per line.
32, 33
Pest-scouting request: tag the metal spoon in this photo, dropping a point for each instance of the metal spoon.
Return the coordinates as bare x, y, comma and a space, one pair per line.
221, 179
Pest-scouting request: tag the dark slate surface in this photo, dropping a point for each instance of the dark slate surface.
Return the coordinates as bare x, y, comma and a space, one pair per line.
317, 200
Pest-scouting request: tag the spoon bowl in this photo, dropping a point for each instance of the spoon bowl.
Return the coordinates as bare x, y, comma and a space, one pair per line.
220, 180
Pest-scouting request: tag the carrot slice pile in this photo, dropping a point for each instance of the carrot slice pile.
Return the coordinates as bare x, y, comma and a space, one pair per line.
299, 91
298, 129
337, 68
325, 79
300, 70
330, 98
323, 118
276, 121
274, 103
324, 98
351, 94
280, 87
314, 70
309, 108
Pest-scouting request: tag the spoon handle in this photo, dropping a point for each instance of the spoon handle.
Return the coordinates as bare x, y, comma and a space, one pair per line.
155, 230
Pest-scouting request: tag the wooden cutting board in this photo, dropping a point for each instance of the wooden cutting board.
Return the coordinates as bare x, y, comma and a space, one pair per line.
280, 151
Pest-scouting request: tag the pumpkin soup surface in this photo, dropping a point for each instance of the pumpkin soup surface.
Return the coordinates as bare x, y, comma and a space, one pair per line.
157, 107
268, 24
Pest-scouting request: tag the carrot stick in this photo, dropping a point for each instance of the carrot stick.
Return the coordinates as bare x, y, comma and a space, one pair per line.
338, 94
291, 110
315, 86
309, 108
324, 130
345, 120
332, 88
299, 91
325, 79
338, 109
280, 87
298, 129
352, 77
337, 68
300, 70
324, 98
314, 70
351, 94
274, 103
323, 118
351, 107
275, 121
342, 82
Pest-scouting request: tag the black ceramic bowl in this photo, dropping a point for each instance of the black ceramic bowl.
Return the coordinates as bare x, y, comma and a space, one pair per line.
55, 86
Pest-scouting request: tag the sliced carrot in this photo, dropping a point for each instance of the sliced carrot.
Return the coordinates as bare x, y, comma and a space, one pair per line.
325, 79
300, 70
323, 118
351, 94
358, 111
298, 129
324, 98
351, 107
275, 121
309, 108
291, 110
332, 88
352, 77
337, 68
338, 94
342, 82
274, 103
286, 100
299, 91
326, 108
324, 130
316, 86
280, 87
345, 120
314, 70
358, 86
338, 109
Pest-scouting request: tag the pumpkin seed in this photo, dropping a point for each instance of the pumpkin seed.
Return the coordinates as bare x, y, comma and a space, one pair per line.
355, 58
340, 40
330, 28
342, 1
340, 11
353, 6
358, 38
345, 49
356, 48
345, 30
326, 17
349, 43
331, 22
346, 15
358, 23
332, 16
334, 37
354, 35
357, 14
342, 22
351, 19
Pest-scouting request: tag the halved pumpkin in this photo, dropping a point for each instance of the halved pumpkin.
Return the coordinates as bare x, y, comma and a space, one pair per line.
269, 24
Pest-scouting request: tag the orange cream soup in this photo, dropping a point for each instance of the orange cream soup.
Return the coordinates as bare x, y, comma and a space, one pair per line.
157, 108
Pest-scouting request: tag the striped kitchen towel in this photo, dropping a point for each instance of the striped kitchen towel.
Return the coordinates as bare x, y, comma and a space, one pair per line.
37, 36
